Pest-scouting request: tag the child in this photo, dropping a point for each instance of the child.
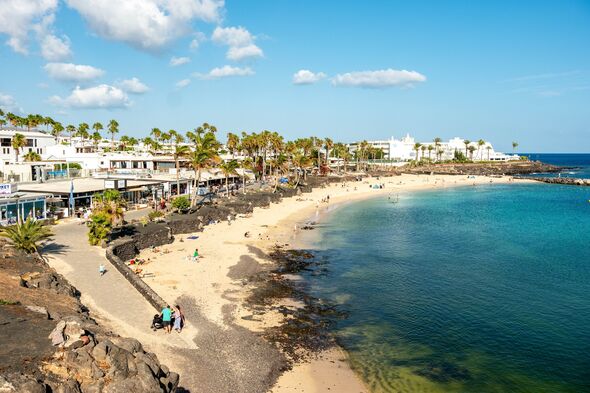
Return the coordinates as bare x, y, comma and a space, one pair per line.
196, 255
102, 270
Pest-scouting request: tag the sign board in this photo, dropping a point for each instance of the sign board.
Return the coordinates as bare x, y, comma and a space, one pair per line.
110, 184
7, 188
122, 183
166, 187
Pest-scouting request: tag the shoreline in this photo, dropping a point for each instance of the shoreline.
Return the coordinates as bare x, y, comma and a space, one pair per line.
214, 292
224, 247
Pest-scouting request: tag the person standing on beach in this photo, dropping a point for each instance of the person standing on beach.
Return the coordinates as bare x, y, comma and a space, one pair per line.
178, 319
196, 255
167, 319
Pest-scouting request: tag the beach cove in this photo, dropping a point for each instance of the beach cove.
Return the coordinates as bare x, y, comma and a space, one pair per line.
215, 284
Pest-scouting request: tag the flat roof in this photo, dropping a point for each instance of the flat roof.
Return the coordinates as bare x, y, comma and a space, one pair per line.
84, 185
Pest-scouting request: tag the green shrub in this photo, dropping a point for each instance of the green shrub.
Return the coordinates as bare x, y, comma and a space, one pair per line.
155, 215
100, 227
181, 203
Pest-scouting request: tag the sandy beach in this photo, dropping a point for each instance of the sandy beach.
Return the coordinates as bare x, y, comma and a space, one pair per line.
226, 256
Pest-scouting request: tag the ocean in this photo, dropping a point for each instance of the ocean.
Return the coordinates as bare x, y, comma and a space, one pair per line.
469, 289
580, 162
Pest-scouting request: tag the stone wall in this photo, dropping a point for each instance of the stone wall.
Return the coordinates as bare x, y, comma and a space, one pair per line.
123, 248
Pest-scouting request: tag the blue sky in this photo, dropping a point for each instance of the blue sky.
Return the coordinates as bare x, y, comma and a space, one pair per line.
500, 70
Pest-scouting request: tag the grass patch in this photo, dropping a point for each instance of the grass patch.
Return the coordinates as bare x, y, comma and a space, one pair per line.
4, 302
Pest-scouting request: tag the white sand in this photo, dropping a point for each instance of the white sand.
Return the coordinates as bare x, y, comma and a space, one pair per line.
221, 246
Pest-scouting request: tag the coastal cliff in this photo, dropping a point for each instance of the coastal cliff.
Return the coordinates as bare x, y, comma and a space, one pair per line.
50, 344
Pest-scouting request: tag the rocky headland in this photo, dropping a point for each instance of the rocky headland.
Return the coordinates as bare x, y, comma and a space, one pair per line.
50, 344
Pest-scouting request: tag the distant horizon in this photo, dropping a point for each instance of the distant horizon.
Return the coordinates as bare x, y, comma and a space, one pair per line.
428, 68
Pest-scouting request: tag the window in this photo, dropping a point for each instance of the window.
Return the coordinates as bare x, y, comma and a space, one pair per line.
5, 141
30, 142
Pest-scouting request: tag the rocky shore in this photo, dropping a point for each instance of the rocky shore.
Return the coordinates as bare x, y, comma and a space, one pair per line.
510, 168
571, 181
50, 344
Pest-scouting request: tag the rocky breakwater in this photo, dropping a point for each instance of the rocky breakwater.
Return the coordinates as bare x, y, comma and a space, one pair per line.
570, 181
50, 344
510, 168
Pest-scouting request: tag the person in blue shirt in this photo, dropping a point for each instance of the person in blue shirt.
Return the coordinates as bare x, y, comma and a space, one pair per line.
167, 319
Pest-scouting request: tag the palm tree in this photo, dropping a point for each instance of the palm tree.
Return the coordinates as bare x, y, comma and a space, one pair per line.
156, 134
113, 129
32, 157
18, 142
26, 235
71, 130
233, 142
437, 142
328, 145
57, 129
179, 151
247, 163
430, 148
203, 155
301, 163
228, 168
423, 148
96, 138
488, 148
480, 144
471, 150
466, 142
97, 127
83, 132
417, 147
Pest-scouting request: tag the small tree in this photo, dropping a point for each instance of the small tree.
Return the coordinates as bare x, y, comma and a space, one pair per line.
181, 203
26, 235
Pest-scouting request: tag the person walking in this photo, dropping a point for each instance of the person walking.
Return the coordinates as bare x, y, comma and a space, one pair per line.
196, 255
101, 270
178, 319
167, 319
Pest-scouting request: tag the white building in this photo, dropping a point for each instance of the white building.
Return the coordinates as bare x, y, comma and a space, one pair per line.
404, 149
37, 141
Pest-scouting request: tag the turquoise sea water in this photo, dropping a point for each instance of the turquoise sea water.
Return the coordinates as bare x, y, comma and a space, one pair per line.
473, 289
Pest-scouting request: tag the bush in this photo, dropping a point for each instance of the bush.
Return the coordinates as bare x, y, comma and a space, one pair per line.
155, 215
100, 227
181, 203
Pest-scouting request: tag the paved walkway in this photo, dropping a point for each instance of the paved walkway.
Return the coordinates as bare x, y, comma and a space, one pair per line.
110, 298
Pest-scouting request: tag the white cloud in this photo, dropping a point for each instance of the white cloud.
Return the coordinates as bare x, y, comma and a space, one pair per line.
69, 72
9, 104
240, 42
146, 24
199, 37
183, 83
18, 18
226, 71
306, 77
55, 49
101, 96
243, 52
176, 61
378, 79
232, 36
133, 85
